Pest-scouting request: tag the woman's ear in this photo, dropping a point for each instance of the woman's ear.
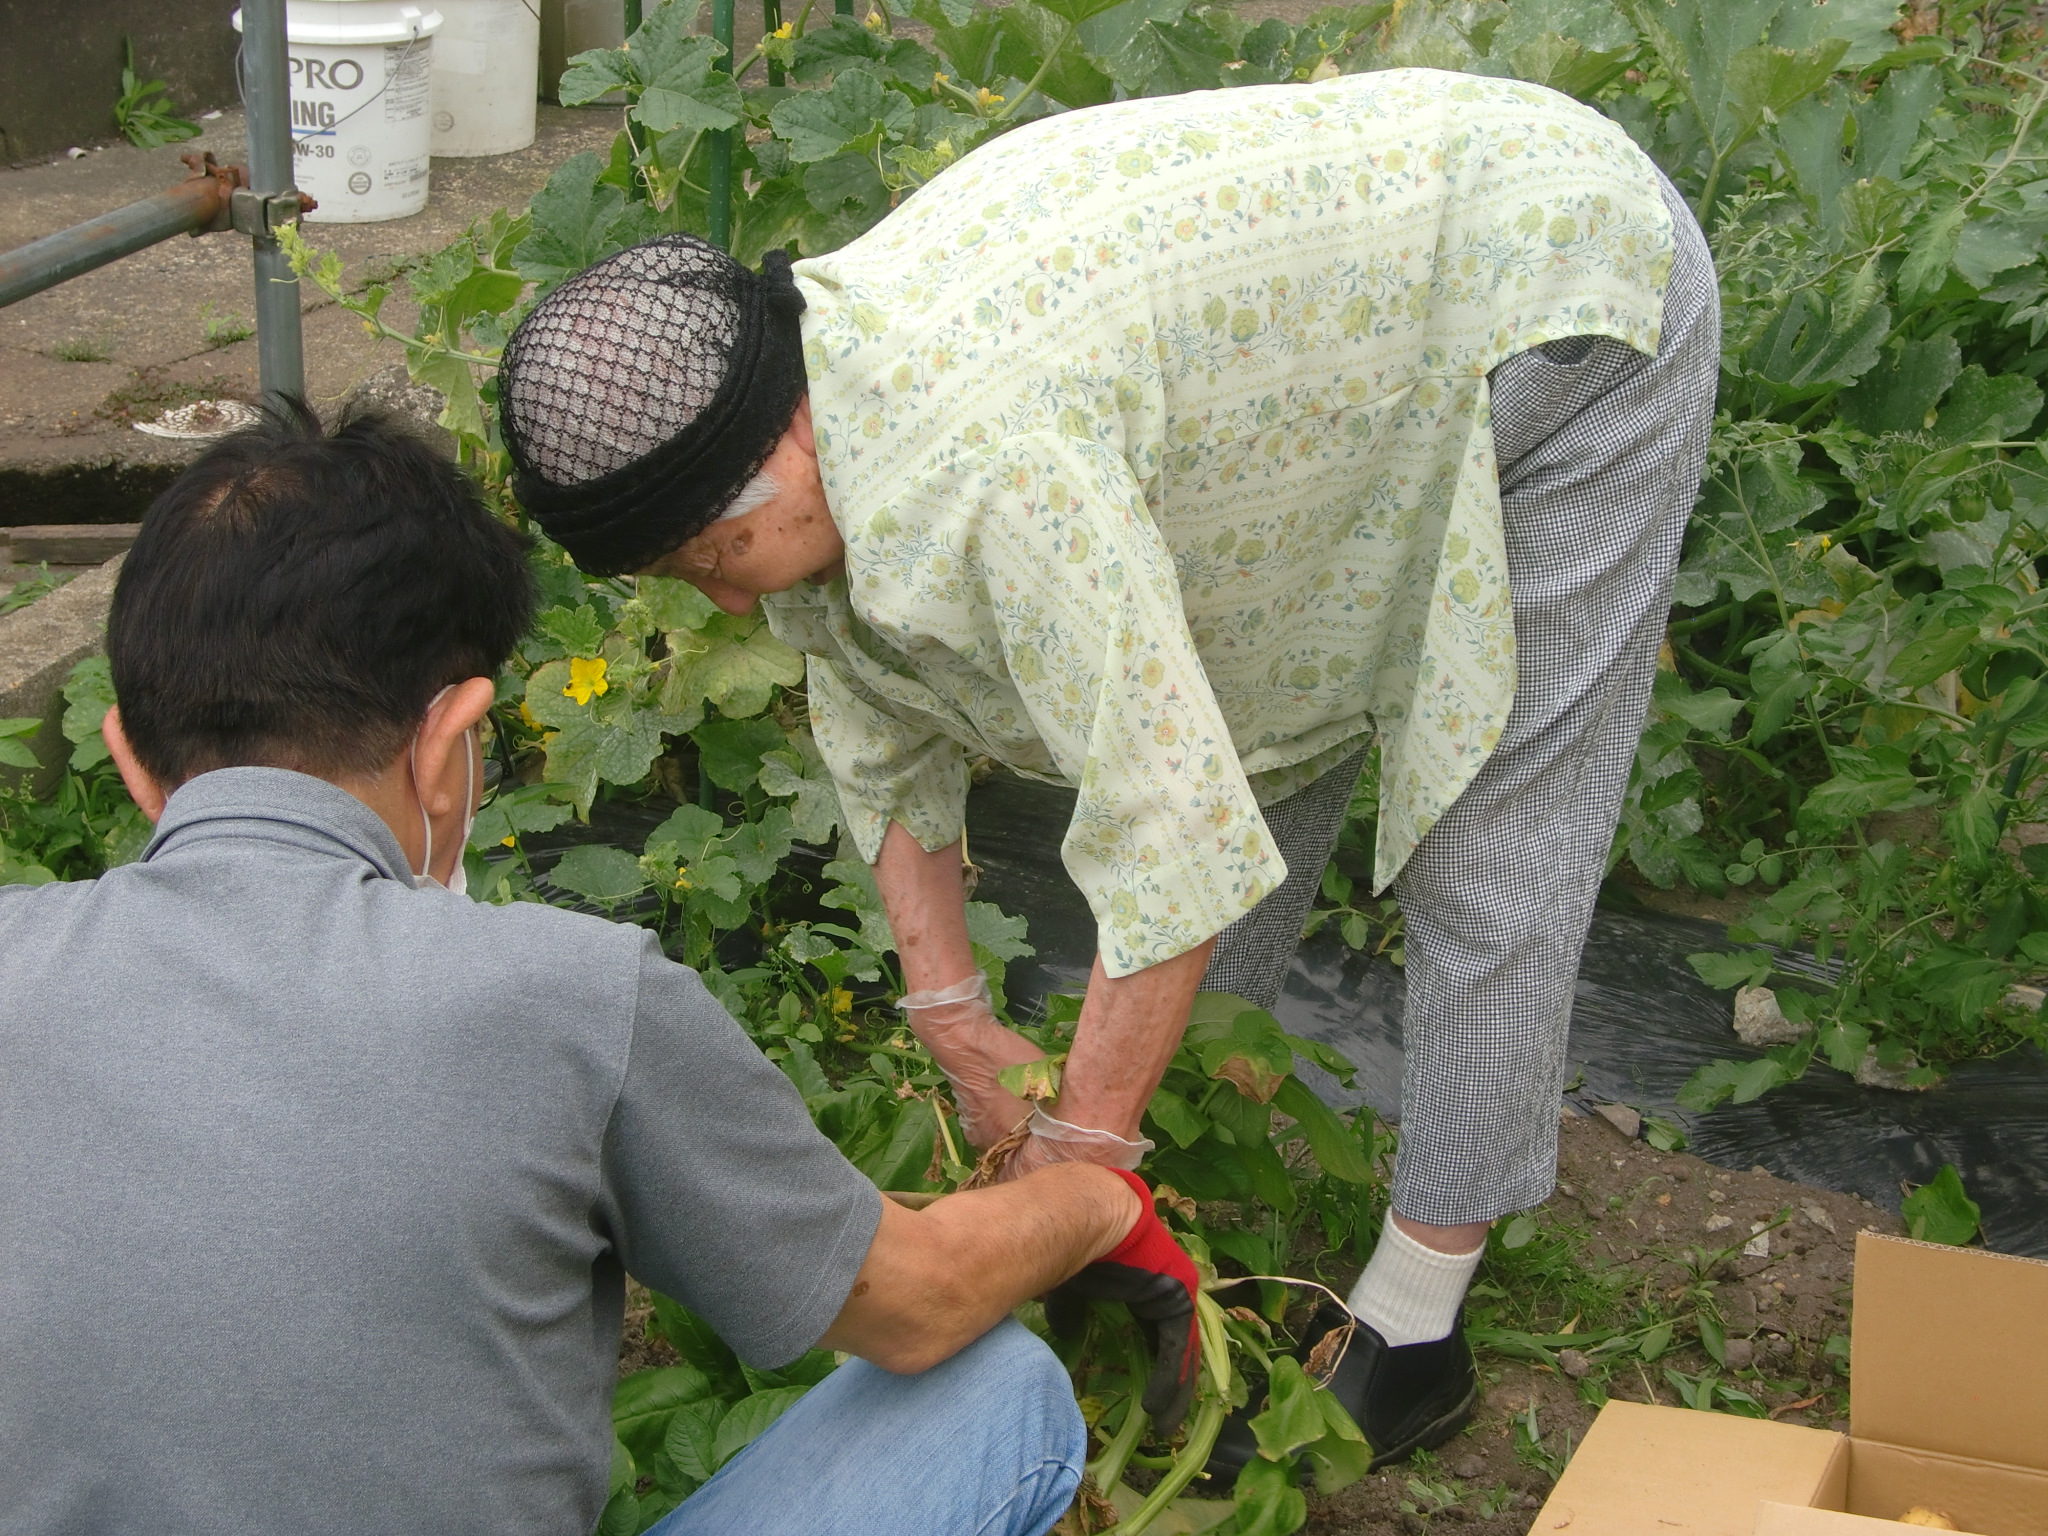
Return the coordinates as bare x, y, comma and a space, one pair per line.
800, 427
143, 788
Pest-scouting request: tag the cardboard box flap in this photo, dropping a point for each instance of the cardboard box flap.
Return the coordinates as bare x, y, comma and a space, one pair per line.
1644, 1471
1947, 1350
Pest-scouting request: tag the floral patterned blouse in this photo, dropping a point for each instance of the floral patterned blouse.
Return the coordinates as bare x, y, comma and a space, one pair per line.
1158, 436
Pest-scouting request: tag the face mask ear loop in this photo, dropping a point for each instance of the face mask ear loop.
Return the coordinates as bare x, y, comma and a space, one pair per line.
424, 874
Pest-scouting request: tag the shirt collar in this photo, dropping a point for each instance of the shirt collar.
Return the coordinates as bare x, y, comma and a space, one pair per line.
279, 806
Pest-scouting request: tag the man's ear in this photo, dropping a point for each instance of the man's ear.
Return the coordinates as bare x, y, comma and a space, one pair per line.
440, 738
143, 788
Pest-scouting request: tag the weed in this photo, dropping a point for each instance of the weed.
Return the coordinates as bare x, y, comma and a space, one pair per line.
31, 587
83, 349
224, 330
143, 111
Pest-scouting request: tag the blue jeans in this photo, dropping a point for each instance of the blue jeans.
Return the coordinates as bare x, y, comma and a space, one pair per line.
988, 1443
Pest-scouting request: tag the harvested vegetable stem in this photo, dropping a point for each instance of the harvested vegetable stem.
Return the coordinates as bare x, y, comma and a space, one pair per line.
1194, 1453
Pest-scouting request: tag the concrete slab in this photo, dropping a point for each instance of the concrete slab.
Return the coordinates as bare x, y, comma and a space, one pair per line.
140, 327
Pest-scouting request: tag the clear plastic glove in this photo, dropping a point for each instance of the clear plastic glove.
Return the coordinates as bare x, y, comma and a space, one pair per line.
958, 1026
1055, 1141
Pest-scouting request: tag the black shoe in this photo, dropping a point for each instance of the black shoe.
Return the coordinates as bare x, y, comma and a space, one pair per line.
1408, 1398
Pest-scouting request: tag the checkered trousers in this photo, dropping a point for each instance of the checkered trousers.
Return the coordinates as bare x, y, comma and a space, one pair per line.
1600, 451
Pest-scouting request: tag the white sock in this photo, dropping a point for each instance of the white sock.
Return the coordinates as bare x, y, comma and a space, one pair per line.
1409, 1293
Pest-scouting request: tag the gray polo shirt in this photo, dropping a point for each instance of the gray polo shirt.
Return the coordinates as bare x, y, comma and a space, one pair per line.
316, 1189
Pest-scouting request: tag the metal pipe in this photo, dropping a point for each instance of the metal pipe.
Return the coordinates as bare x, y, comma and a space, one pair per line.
192, 206
266, 93
718, 173
632, 17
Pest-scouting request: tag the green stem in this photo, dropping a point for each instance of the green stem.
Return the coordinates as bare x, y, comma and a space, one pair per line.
1193, 1457
1031, 85
1108, 1469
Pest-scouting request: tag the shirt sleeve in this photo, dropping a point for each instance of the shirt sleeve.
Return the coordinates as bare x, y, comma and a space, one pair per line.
719, 1190
885, 768
1167, 843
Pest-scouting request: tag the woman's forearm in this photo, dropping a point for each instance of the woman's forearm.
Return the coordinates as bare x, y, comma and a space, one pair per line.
1129, 1029
927, 907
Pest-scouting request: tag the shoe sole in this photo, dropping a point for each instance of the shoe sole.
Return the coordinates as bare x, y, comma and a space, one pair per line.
1432, 1434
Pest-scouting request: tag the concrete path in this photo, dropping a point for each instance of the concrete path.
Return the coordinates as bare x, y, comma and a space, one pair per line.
81, 362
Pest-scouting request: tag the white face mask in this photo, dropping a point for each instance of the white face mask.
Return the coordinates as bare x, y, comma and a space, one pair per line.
458, 880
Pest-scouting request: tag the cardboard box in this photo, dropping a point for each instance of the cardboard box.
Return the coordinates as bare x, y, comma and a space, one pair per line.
1948, 1392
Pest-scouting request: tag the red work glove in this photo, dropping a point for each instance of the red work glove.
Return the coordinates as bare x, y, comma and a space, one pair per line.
1149, 1274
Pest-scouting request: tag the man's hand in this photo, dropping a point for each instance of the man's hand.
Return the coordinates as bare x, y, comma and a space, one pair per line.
1148, 1273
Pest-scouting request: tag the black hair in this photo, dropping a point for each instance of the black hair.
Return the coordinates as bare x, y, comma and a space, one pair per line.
296, 598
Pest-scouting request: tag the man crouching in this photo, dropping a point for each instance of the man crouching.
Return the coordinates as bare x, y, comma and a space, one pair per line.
322, 1181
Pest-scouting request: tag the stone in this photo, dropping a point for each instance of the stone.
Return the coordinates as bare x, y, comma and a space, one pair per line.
70, 543
1575, 1363
1872, 1073
1625, 1120
1760, 1022
1737, 1305
1818, 1215
391, 390
2024, 998
1739, 1354
1467, 1468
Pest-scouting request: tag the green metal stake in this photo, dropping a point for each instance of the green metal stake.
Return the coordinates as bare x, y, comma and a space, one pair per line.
771, 23
842, 7
632, 17
718, 218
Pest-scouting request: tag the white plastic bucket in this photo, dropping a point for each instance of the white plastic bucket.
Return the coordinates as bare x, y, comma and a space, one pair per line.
486, 76
362, 105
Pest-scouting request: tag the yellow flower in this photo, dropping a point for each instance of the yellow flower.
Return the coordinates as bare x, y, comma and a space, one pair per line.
786, 30
510, 842
527, 715
987, 97
842, 1002
586, 680
874, 21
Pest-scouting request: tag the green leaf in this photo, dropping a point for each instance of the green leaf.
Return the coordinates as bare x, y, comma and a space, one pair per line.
830, 185
1663, 1134
88, 695
594, 73
1940, 1211
645, 1401
1761, 84
691, 95
1862, 26
1933, 655
1804, 353
734, 663
579, 220
732, 752
1291, 1418
1744, 968
520, 808
1179, 1119
1519, 1232
748, 1417
759, 847
692, 1438
1928, 254
1336, 1150
1899, 394
1711, 712
579, 631
1265, 1501
1989, 246
816, 812
675, 605
1982, 408
601, 873
857, 109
